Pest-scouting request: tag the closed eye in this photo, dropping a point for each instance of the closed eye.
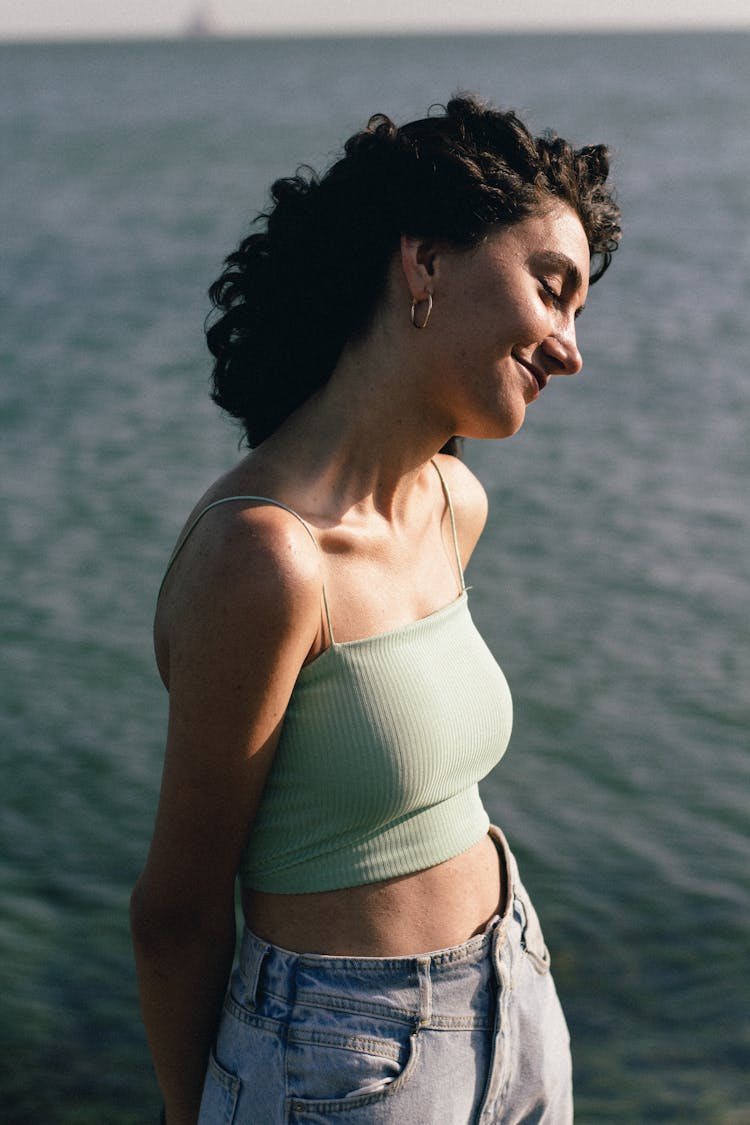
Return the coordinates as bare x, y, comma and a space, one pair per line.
557, 298
550, 290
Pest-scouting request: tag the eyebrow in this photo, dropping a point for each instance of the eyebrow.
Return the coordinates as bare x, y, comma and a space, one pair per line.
563, 264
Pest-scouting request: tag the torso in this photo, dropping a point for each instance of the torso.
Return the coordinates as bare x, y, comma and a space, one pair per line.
429, 910
375, 584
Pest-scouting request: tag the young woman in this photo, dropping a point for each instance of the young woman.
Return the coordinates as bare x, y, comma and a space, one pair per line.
332, 706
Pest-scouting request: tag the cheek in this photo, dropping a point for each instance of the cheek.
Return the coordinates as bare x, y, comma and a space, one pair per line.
529, 321
517, 322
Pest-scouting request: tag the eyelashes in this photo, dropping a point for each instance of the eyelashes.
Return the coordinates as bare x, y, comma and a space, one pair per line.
550, 291
556, 298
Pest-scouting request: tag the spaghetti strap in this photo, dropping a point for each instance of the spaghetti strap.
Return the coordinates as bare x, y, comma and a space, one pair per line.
454, 533
263, 500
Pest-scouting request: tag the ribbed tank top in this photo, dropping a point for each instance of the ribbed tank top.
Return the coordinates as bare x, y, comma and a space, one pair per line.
382, 747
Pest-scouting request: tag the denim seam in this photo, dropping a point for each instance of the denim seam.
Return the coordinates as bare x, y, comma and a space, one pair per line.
360, 1044
324, 1002
228, 1082
252, 1019
471, 950
457, 1023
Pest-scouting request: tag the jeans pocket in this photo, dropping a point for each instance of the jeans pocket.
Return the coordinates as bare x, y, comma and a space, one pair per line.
220, 1093
346, 1070
532, 938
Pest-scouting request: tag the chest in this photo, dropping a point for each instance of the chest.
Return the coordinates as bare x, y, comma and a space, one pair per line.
386, 726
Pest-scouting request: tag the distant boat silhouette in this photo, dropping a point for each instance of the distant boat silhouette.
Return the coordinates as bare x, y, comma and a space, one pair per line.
200, 25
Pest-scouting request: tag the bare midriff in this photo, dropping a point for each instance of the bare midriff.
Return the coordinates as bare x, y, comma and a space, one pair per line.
429, 910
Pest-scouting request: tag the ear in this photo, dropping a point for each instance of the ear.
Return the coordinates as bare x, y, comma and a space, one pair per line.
418, 261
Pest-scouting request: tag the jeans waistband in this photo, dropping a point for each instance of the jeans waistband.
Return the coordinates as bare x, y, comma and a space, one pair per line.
267, 967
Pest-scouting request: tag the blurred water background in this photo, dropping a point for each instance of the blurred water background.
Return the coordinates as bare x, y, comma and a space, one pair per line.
613, 582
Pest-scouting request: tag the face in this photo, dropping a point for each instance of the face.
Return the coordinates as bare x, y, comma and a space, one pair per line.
504, 320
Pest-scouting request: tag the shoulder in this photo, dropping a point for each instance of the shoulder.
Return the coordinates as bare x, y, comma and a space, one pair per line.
235, 540
469, 501
244, 570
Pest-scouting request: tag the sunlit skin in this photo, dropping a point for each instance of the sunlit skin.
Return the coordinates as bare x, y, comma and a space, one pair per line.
241, 612
503, 311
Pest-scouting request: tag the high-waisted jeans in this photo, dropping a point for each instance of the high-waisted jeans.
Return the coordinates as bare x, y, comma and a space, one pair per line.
471, 1035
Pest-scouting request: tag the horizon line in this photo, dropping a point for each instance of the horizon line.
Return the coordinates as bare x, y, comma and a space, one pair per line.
229, 34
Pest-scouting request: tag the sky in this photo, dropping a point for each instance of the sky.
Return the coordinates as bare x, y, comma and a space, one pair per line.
55, 19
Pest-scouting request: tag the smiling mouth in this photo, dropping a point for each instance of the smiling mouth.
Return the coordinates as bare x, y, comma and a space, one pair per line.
537, 374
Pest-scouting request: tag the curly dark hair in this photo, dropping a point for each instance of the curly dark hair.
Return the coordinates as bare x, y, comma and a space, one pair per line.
292, 294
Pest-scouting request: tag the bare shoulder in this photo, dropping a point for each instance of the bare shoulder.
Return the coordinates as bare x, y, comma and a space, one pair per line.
469, 501
240, 566
238, 616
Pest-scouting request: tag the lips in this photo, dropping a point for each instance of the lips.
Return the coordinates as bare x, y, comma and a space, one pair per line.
537, 374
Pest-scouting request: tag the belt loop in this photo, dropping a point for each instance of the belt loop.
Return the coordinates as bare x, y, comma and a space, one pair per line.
252, 962
509, 868
425, 992
499, 935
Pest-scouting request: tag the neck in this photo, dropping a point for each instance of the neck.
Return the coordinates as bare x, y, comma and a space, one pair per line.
364, 438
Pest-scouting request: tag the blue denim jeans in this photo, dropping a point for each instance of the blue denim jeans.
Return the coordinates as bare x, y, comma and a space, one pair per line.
471, 1035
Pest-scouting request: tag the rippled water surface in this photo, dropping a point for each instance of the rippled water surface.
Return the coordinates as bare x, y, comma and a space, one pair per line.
613, 582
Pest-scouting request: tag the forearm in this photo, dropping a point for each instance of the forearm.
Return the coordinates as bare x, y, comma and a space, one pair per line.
181, 981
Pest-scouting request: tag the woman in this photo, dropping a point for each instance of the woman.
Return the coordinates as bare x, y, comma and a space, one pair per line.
332, 706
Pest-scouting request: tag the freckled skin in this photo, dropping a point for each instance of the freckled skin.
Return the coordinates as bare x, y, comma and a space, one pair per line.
491, 305
240, 613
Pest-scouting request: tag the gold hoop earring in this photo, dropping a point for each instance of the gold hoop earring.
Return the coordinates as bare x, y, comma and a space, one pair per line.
418, 301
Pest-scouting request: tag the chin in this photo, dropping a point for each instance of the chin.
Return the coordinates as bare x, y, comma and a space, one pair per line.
501, 429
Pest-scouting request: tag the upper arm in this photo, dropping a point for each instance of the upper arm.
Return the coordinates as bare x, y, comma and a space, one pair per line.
239, 618
469, 503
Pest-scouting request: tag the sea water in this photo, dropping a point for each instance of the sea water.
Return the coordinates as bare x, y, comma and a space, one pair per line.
612, 583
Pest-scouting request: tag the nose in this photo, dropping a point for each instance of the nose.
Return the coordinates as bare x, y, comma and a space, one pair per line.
561, 347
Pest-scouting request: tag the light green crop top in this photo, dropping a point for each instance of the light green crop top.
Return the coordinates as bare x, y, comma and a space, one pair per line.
383, 744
